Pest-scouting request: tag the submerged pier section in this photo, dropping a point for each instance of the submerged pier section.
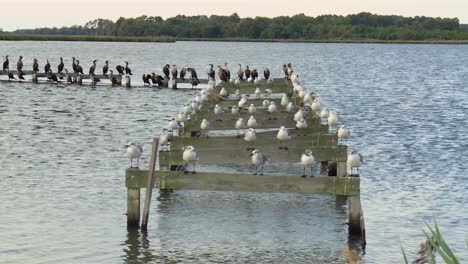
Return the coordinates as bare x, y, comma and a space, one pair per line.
223, 148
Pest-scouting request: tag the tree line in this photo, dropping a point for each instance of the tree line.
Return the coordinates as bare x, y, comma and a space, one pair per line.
357, 26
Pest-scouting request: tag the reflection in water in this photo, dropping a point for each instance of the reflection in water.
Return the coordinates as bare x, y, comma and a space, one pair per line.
137, 248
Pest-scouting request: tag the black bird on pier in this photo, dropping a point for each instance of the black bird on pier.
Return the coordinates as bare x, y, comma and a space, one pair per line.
146, 79
266, 73
194, 78
94, 79
223, 75
19, 64
92, 69
157, 79
240, 73
182, 74
10, 75
52, 77
127, 69
60, 66
227, 70
6, 64
75, 70
35, 66
166, 70
120, 69
174, 72
114, 80
79, 69
211, 72
105, 68
254, 74
47, 67
247, 72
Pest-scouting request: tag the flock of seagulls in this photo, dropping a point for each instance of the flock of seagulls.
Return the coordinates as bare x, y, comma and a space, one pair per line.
246, 127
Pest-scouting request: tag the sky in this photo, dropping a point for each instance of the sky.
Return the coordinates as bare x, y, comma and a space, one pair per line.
18, 14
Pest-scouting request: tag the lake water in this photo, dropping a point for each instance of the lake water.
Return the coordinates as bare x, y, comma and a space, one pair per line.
63, 198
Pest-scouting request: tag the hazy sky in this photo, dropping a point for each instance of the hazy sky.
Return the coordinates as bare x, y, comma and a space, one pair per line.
47, 13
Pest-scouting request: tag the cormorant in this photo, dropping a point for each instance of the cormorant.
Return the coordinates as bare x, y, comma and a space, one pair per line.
211, 72
223, 76
182, 74
52, 77
227, 70
157, 79
254, 74
94, 79
79, 69
105, 68
174, 72
60, 66
120, 69
47, 67
285, 70
247, 72
166, 70
92, 69
240, 73
6, 64
19, 64
127, 69
75, 70
266, 73
113, 80
35, 66
193, 79
146, 79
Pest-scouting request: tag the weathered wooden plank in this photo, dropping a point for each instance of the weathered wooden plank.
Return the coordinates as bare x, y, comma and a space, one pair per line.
72, 74
263, 139
258, 102
241, 156
247, 182
149, 183
133, 205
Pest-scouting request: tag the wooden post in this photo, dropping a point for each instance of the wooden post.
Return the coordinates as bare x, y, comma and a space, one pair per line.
133, 207
79, 80
174, 84
34, 78
149, 184
342, 169
355, 216
128, 82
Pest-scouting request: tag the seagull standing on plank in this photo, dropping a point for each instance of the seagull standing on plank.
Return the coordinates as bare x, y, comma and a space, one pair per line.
134, 151
258, 159
190, 156
355, 160
307, 159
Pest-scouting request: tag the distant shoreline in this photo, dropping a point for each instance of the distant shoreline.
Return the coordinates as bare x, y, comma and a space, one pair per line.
90, 38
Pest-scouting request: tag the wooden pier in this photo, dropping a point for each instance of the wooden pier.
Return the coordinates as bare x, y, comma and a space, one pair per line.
222, 146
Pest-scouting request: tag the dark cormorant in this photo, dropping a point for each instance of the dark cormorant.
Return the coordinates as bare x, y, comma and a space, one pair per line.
182, 74
127, 69
240, 73
79, 69
174, 71
223, 75
193, 79
157, 79
94, 79
166, 70
19, 64
105, 68
75, 70
92, 69
47, 67
254, 74
120, 69
285, 70
35, 66
227, 70
6, 64
146, 79
247, 72
114, 80
211, 72
60, 66
266, 73
52, 77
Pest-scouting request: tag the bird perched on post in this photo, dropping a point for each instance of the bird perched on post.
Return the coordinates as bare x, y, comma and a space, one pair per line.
247, 72
120, 69
258, 159
266, 73
146, 79
10, 75
35, 66
6, 64
182, 74
283, 136
79, 69
174, 72
113, 79
166, 70
252, 123
74, 65
355, 160
301, 123
344, 133
190, 156
134, 151
228, 72
105, 68
19, 64
47, 67
315, 105
222, 74
92, 69
205, 126
240, 73
307, 159
254, 74
240, 124
324, 113
333, 119
211, 72
165, 138
219, 111
250, 137
128, 71
252, 109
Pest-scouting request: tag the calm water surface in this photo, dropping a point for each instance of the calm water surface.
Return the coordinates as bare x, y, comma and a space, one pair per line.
63, 198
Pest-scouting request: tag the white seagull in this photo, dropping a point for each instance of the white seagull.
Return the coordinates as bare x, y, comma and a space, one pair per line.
354, 160
282, 136
308, 99
173, 125
187, 109
190, 156
240, 124
243, 101
252, 109
181, 117
333, 119
250, 136
315, 105
272, 108
258, 159
252, 123
134, 151
205, 125
299, 114
164, 137
266, 103
289, 107
223, 92
238, 93
218, 110
301, 123
307, 159
257, 92
344, 133
324, 113
284, 101
235, 110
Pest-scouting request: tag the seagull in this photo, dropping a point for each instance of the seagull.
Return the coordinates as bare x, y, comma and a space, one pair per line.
218, 110
344, 133
223, 92
240, 124
238, 93
250, 136
173, 125
252, 109
272, 108
284, 101
243, 101
190, 156
235, 110
354, 160
205, 125
187, 109
165, 137
301, 124
315, 105
299, 114
134, 151
181, 117
289, 107
283, 135
324, 113
268, 92
252, 123
307, 159
333, 119
195, 106
266, 103
257, 92
258, 159
308, 99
